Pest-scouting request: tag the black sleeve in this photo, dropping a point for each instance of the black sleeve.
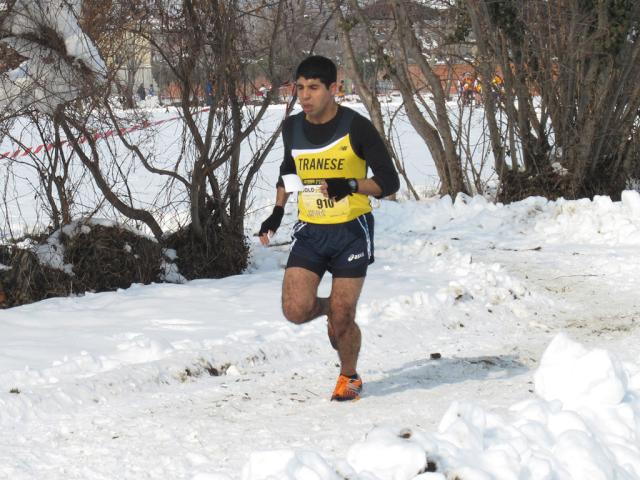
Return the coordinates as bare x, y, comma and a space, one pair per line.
367, 143
288, 165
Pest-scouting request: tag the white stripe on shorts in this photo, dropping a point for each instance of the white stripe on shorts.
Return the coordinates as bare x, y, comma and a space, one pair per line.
365, 227
296, 228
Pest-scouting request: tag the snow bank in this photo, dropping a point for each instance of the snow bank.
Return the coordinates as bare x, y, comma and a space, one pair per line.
599, 221
113, 374
286, 465
537, 220
47, 79
584, 424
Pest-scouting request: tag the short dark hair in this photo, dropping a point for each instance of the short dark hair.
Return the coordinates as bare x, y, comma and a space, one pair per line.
317, 66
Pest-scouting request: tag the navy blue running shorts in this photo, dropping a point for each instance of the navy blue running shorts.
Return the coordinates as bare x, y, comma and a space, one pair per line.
343, 249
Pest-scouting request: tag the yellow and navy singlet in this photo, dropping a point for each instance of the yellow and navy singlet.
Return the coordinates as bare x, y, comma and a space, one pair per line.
344, 147
333, 159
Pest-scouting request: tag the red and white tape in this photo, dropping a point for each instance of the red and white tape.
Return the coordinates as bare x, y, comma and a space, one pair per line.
23, 152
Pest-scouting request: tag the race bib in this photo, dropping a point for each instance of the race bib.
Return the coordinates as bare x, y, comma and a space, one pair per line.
317, 205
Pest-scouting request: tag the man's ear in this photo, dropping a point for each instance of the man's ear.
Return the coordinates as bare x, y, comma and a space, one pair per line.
333, 88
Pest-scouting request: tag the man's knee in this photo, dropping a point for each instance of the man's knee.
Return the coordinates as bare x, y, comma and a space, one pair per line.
299, 293
342, 318
295, 311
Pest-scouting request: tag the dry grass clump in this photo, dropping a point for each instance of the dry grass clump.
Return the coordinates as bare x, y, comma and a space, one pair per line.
517, 186
102, 259
28, 281
221, 254
553, 184
108, 258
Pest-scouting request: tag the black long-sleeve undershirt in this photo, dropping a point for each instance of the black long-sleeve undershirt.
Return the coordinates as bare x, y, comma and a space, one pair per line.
365, 141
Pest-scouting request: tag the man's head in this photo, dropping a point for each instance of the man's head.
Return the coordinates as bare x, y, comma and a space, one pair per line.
318, 67
316, 88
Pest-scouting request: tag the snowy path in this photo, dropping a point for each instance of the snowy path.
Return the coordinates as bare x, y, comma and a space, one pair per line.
173, 428
596, 297
115, 401
177, 427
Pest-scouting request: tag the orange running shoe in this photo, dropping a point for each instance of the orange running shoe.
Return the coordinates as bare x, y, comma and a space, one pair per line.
347, 388
332, 336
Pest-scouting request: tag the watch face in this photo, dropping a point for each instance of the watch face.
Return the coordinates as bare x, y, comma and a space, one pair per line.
353, 184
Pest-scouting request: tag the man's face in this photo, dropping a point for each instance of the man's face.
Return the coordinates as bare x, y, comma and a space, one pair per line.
314, 96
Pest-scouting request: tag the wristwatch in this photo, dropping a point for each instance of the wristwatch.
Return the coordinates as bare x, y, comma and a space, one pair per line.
353, 185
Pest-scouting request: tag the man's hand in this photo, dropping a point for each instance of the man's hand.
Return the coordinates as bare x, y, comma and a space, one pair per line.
339, 188
271, 224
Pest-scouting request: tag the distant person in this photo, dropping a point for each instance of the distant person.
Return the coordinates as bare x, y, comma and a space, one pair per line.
497, 82
208, 93
341, 91
330, 147
477, 91
151, 92
263, 90
497, 87
467, 89
141, 92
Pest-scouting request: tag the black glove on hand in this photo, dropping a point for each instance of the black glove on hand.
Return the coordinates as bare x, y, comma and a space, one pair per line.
339, 188
273, 222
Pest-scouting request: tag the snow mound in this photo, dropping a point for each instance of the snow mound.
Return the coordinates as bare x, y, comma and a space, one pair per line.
387, 454
532, 222
599, 221
584, 424
49, 77
288, 465
577, 377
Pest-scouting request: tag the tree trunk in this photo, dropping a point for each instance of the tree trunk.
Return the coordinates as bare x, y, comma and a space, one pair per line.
369, 99
488, 96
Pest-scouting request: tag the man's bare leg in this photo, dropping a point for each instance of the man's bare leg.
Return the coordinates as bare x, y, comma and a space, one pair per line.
300, 302
342, 313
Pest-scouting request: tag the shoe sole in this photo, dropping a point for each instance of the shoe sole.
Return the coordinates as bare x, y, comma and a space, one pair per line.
355, 399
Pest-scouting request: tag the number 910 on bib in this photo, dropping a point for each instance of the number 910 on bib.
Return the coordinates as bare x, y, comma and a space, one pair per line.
317, 205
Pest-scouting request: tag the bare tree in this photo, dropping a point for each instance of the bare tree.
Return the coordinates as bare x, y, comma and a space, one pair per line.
52, 165
571, 88
400, 47
201, 42
43, 72
206, 48
365, 92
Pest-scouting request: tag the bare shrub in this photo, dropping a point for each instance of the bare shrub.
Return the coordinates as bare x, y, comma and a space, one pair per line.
225, 253
108, 258
28, 281
571, 93
102, 258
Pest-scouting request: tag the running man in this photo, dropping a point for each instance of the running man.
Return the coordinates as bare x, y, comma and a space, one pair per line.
330, 147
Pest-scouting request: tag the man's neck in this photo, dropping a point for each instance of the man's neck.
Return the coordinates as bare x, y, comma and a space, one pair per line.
325, 117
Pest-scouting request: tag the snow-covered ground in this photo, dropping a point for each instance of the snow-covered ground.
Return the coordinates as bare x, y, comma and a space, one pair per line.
531, 307
499, 342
